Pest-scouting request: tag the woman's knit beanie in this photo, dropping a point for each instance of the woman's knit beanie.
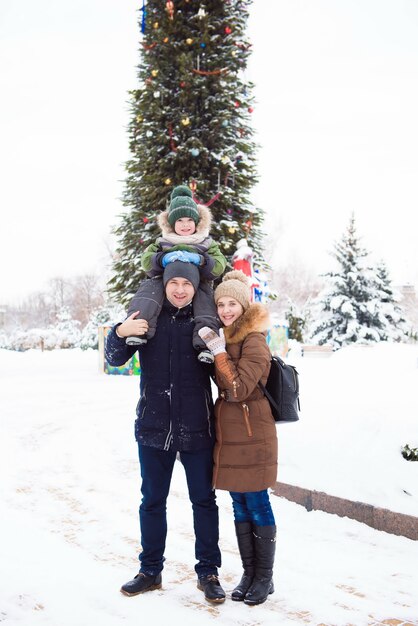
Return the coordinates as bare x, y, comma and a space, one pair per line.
235, 285
182, 205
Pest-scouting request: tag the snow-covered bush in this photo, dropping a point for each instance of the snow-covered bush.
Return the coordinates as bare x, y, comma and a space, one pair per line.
410, 454
4, 340
65, 334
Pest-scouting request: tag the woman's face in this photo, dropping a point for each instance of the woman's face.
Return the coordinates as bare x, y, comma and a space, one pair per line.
229, 310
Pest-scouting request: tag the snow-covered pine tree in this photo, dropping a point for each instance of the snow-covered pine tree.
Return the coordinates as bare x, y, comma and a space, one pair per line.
67, 329
104, 315
396, 326
190, 124
351, 307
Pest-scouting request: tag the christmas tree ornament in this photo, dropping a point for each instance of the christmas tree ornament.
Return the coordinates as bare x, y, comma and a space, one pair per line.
225, 159
139, 118
145, 220
149, 133
144, 16
154, 73
167, 181
185, 121
182, 84
155, 25
229, 211
231, 230
201, 13
234, 53
169, 5
237, 104
194, 152
203, 45
165, 40
157, 94
225, 123
189, 41
228, 30
250, 109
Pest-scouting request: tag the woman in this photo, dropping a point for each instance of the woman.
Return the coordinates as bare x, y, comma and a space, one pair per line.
245, 455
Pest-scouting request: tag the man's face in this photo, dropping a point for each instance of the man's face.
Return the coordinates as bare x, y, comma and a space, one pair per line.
179, 291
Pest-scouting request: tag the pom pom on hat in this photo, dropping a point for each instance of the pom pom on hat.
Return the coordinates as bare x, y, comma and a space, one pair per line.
182, 205
235, 285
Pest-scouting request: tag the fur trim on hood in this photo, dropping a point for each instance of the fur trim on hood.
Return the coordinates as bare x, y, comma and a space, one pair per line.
255, 319
202, 228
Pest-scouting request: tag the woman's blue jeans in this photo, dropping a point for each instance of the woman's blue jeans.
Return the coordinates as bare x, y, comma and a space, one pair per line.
253, 506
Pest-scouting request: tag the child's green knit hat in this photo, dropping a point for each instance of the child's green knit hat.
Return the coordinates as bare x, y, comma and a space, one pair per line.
182, 205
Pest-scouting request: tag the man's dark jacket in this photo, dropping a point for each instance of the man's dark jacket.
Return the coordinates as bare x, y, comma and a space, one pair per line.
175, 410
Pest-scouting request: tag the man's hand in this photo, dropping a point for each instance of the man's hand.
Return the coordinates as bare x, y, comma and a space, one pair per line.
131, 326
215, 343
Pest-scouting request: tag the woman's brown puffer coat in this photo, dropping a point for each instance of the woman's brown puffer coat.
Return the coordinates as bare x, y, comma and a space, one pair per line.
245, 452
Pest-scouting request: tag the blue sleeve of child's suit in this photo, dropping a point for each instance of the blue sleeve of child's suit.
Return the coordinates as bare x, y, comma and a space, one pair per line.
117, 352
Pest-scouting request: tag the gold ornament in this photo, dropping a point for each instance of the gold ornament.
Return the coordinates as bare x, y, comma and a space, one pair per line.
155, 25
189, 41
225, 159
231, 230
154, 73
167, 181
185, 121
139, 118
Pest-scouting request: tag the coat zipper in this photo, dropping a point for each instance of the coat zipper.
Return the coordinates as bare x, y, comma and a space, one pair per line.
247, 418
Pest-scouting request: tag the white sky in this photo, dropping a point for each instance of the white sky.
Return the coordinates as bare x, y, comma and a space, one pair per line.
337, 91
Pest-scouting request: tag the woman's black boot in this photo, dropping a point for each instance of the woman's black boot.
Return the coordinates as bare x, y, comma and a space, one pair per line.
245, 537
265, 547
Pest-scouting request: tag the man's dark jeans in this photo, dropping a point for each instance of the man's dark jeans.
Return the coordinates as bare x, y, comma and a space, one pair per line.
156, 471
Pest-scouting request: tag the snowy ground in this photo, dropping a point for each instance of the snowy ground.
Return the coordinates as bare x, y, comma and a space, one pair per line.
70, 491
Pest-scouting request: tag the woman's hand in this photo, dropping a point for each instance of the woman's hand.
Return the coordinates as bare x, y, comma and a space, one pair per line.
215, 343
131, 326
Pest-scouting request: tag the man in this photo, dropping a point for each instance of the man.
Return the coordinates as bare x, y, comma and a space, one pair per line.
174, 415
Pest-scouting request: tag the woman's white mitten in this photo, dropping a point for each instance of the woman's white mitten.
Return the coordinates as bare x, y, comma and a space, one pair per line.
215, 343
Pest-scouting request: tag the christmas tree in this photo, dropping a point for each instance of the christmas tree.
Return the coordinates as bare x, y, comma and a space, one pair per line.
190, 124
352, 308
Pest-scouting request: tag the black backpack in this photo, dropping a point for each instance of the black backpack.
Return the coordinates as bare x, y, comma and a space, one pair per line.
282, 391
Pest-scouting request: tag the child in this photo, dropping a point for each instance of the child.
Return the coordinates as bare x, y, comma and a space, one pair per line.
185, 237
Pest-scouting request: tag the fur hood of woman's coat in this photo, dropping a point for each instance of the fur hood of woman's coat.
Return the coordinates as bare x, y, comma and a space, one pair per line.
255, 319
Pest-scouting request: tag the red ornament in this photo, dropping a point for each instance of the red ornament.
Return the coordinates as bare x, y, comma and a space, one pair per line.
250, 109
228, 30
182, 84
170, 9
145, 220
237, 104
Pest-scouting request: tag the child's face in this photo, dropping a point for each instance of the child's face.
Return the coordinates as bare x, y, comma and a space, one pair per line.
184, 226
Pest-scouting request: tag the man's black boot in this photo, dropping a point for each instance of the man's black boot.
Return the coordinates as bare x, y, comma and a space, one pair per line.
265, 547
211, 587
141, 583
245, 538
